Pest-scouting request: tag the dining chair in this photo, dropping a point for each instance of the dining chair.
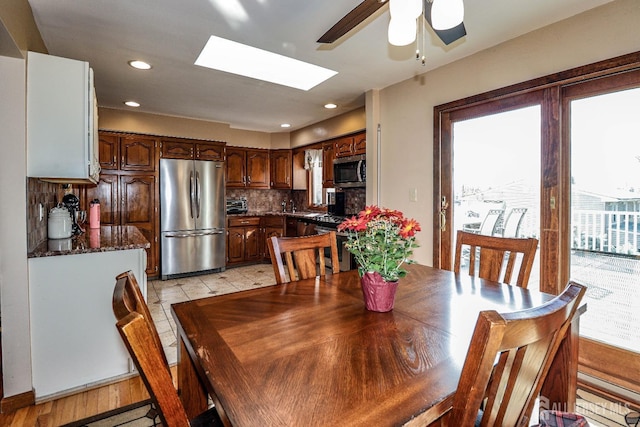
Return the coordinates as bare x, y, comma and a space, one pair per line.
492, 252
512, 223
304, 256
141, 338
524, 344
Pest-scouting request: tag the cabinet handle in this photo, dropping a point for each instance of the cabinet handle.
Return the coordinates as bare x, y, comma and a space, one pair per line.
115, 161
122, 162
249, 179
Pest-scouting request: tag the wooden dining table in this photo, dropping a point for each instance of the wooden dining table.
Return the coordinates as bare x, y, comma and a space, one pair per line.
309, 353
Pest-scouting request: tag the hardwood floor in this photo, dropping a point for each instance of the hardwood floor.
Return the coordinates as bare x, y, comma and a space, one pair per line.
78, 406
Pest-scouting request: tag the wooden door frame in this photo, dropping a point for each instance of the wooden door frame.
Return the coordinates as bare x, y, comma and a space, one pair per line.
555, 186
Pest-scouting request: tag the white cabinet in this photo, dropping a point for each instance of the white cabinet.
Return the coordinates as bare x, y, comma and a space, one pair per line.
62, 120
74, 340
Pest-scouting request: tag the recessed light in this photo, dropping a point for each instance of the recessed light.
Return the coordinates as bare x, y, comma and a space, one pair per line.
330, 106
131, 104
285, 125
232, 57
140, 65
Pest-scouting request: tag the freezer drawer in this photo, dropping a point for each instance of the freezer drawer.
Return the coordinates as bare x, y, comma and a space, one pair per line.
192, 251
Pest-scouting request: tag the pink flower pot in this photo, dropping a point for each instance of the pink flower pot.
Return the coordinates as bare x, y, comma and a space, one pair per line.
379, 295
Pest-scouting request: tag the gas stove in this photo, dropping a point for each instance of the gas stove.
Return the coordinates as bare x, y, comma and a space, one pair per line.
328, 220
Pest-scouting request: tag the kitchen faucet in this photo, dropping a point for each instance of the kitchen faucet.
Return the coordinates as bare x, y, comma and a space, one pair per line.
284, 205
293, 207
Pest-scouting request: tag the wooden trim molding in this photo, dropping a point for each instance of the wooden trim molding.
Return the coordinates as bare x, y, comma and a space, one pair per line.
17, 401
610, 364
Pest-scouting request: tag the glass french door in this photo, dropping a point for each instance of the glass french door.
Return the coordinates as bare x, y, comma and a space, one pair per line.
494, 183
603, 130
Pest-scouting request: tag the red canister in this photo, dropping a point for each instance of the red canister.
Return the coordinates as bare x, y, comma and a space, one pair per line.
94, 214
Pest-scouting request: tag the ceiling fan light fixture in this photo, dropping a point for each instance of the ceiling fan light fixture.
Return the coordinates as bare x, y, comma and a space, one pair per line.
405, 9
446, 14
402, 31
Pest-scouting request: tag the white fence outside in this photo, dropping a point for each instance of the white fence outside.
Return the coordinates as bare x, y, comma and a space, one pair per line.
606, 231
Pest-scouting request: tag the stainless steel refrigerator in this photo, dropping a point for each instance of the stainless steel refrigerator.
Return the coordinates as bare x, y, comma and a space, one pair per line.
192, 216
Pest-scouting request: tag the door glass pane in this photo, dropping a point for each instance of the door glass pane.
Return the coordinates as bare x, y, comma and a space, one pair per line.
496, 176
605, 214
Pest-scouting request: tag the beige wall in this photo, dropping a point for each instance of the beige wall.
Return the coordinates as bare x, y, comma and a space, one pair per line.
406, 109
18, 29
131, 121
343, 124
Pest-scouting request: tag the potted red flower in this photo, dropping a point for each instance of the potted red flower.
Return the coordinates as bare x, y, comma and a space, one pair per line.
381, 240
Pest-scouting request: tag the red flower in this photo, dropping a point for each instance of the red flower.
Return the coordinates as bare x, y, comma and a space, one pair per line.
409, 228
369, 212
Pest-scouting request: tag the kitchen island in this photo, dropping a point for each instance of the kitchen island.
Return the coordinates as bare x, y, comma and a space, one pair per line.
75, 344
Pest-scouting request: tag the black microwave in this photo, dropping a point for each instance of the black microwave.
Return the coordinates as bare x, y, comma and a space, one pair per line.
350, 171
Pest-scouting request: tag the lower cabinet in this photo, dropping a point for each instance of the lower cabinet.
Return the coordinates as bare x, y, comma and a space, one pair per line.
247, 237
272, 226
244, 243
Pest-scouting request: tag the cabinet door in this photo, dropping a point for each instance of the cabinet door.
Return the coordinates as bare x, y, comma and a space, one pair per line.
106, 190
344, 147
281, 169
177, 149
236, 167
299, 172
360, 143
235, 245
209, 151
138, 208
252, 244
258, 168
327, 164
138, 153
269, 232
108, 151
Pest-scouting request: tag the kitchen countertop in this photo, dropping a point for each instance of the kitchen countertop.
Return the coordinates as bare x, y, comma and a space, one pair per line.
300, 214
104, 239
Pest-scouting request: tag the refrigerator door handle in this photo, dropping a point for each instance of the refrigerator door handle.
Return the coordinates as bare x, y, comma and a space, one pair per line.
183, 235
191, 191
197, 194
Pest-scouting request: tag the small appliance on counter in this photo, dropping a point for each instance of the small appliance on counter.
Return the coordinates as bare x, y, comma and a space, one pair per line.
72, 203
59, 225
237, 206
94, 214
336, 203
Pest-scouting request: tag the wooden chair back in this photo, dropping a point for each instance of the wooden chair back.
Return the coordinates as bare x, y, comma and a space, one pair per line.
304, 256
143, 343
524, 343
493, 251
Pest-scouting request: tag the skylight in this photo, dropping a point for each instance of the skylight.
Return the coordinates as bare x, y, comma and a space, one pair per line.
232, 57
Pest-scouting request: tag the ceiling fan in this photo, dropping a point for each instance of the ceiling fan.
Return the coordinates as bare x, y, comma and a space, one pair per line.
369, 7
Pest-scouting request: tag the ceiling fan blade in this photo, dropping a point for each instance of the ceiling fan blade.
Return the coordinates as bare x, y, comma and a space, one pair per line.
447, 36
351, 20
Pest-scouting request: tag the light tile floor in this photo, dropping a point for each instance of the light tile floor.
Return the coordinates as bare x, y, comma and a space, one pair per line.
162, 293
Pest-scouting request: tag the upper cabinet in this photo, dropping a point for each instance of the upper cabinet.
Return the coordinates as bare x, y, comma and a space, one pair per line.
351, 145
189, 149
62, 120
136, 153
247, 167
281, 169
328, 150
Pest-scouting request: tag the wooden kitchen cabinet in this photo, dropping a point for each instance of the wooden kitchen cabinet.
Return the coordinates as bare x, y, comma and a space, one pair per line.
175, 148
108, 151
139, 208
281, 169
138, 153
351, 145
244, 243
272, 225
327, 164
299, 172
247, 168
106, 190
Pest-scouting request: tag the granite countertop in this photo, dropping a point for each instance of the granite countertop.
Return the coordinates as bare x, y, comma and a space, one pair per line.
300, 214
104, 239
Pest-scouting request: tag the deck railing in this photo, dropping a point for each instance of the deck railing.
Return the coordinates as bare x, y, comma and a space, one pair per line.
606, 231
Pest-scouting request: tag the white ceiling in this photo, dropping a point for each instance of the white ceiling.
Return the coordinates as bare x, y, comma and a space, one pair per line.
171, 33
